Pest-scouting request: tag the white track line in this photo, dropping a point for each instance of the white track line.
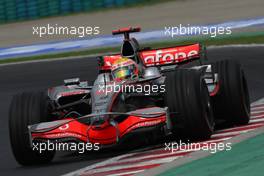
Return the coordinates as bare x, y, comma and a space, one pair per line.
258, 105
257, 109
257, 120
165, 155
108, 161
257, 116
140, 164
231, 133
240, 127
93, 55
218, 140
260, 110
126, 173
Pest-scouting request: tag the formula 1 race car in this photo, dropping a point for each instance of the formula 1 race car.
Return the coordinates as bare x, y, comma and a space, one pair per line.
176, 92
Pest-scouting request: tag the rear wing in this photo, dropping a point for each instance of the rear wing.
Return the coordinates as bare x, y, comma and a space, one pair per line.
160, 56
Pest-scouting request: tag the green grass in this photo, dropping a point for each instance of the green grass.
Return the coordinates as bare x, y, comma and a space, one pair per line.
245, 158
235, 39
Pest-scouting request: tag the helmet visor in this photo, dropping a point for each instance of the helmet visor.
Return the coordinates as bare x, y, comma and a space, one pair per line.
123, 72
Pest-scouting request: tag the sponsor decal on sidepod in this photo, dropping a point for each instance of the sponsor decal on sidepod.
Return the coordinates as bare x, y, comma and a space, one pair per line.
169, 55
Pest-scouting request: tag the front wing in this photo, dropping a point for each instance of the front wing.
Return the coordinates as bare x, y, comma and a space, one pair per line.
107, 133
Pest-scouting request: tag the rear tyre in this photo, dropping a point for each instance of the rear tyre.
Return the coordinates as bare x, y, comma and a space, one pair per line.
231, 103
187, 94
26, 109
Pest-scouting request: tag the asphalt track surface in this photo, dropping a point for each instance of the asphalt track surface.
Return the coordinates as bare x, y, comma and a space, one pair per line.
41, 75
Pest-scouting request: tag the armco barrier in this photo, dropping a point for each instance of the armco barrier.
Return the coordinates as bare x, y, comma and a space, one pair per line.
18, 10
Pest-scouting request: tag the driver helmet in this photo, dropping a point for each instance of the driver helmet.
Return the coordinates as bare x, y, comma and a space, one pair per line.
124, 68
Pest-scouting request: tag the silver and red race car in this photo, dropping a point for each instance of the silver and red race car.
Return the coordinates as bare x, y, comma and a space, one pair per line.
181, 94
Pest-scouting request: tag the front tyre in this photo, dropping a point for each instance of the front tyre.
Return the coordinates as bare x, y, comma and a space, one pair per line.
231, 103
27, 109
188, 96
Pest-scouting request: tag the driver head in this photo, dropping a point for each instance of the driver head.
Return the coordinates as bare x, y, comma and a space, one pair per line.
124, 68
